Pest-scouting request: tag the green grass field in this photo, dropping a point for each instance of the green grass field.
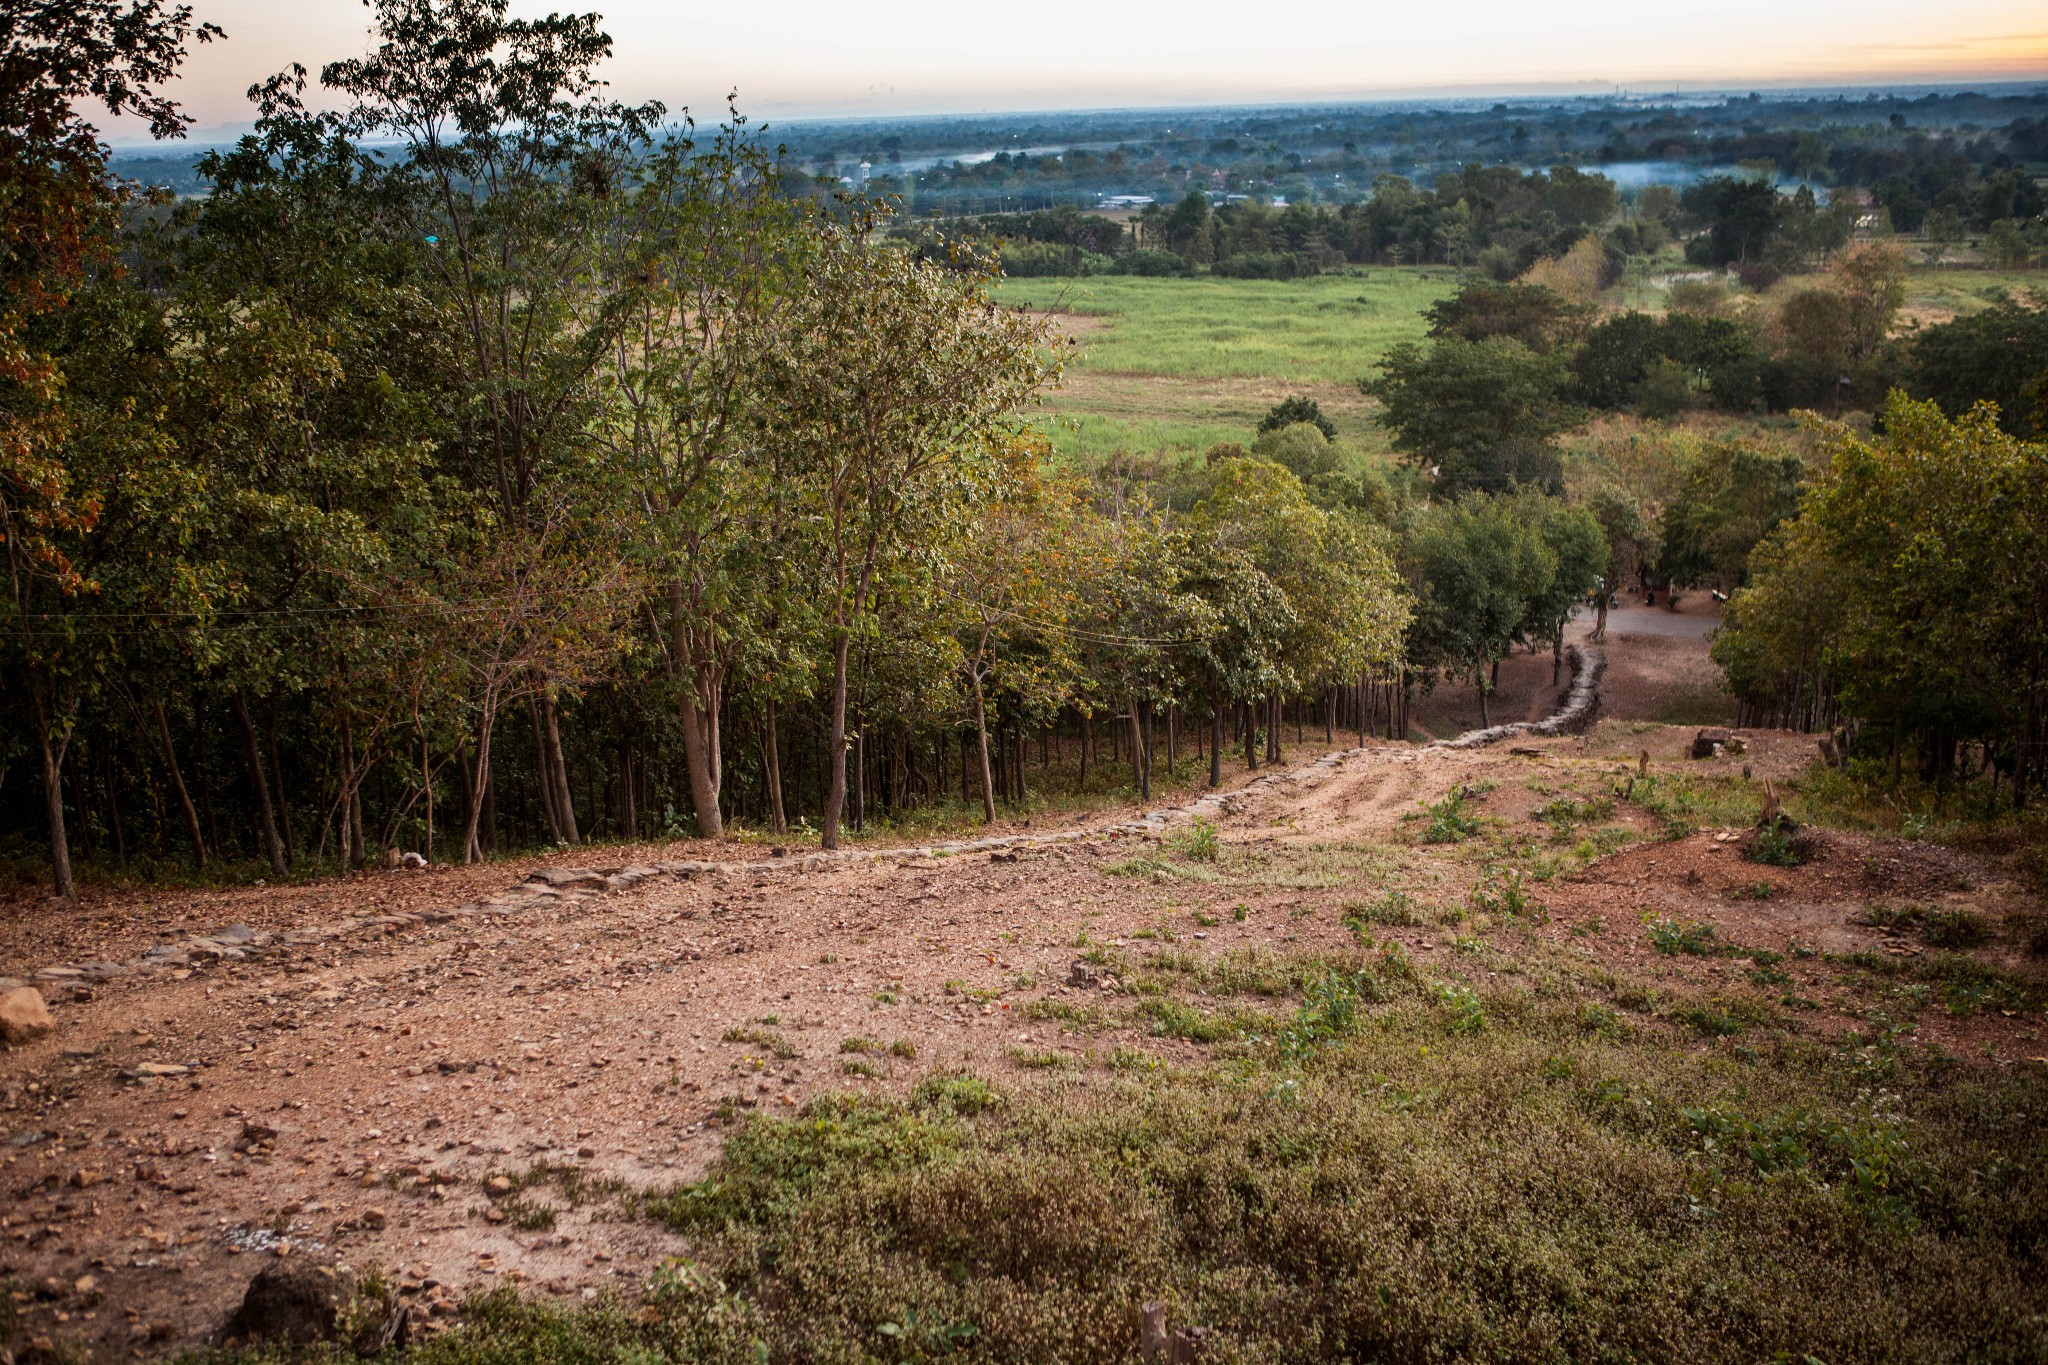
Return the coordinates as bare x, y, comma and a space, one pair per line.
1166, 368
1169, 366
1935, 292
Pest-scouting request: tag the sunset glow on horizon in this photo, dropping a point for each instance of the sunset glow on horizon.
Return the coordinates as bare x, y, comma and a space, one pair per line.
808, 58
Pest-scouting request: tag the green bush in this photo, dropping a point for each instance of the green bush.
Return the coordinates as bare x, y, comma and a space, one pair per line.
1449, 820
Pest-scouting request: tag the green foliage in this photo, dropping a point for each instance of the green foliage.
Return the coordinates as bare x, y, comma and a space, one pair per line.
1879, 590
1395, 908
1450, 821
1998, 355
1775, 845
1683, 936
1501, 891
1199, 842
1734, 495
1328, 1014
1480, 413
1954, 928
1538, 318
1297, 409
1464, 1011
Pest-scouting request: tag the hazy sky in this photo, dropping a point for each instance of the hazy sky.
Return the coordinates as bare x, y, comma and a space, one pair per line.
825, 57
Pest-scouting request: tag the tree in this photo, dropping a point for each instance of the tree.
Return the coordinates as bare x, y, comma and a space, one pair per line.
1579, 553
1872, 278
2007, 246
1740, 215
1019, 579
1481, 414
1482, 567
1537, 317
57, 208
1924, 549
705, 260
1732, 496
1290, 411
888, 381
1993, 355
510, 159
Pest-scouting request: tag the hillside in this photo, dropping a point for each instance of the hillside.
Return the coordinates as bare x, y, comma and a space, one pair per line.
1027, 1084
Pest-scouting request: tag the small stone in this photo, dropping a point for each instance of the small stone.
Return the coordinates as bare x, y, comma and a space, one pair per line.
586, 1152
24, 1016
499, 1184
85, 1286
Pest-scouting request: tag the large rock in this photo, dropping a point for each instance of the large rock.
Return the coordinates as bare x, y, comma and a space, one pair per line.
304, 1302
23, 1015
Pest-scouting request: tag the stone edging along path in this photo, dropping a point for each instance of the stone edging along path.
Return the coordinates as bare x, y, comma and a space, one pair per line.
554, 886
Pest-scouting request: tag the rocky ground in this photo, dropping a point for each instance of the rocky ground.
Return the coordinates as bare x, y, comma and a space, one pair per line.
452, 1073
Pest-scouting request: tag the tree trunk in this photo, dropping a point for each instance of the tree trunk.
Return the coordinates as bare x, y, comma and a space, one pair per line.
1138, 774
700, 752
545, 774
1087, 743
53, 796
1479, 681
835, 756
1251, 737
860, 779
284, 813
110, 768
351, 796
1215, 738
1147, 735
266, 816
778, 818
628, 789
988, 790
185, 806
1023, 764
565, 805
1275, 716
479, 782
427, 791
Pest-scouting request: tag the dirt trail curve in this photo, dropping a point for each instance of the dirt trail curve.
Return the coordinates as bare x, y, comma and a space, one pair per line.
376, 1087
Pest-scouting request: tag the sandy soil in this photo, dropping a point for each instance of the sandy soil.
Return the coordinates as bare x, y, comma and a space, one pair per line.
351, 1096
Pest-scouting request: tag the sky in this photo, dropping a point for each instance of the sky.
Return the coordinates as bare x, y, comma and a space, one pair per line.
822, 58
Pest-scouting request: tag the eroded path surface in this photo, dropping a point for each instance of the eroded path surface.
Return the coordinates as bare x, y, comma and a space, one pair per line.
460, 1092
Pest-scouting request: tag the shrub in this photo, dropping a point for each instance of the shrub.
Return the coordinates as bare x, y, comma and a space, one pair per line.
1449, 821
1954, 929
1676, 936
1775, 845
1149, 262
1199, 842
1467, 1013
